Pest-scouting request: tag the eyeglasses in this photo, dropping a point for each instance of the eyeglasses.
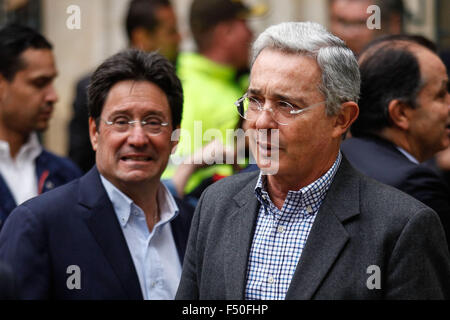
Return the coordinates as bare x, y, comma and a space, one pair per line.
283, 112
153, 126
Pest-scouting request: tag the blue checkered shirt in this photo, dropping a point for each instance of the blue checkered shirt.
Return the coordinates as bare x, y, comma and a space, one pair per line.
281, 235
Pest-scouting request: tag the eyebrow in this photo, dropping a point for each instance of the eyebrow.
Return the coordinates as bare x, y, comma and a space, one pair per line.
279, 96
127, 112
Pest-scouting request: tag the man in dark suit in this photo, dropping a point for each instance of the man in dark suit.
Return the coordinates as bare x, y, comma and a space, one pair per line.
150, 25
404, 120
115, 233
314, 228
27, 98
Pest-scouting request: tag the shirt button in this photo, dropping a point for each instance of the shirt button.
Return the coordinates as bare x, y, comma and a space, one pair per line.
309, 209
49, 185
270, 279
280, 229
153, 284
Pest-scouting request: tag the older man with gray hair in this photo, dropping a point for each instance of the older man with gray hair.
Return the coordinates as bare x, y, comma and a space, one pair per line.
315, 228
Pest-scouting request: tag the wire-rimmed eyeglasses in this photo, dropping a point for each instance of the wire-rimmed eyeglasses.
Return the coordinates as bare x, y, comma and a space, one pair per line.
283, 112
152, 125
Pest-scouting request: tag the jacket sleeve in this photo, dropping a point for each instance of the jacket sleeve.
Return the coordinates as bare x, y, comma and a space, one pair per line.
419, 266
23, 248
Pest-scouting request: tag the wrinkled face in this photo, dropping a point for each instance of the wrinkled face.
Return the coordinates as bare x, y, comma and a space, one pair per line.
430, 121
308, 142
165, 37
134, 156
348, 21
26, 103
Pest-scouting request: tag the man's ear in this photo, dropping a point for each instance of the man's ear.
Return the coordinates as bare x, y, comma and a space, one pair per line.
93, 133
347, 115
399, 114
175, 138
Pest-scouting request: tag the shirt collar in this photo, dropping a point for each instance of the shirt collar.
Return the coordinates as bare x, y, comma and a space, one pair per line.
408, 155
123, 204
310, 196
30, 150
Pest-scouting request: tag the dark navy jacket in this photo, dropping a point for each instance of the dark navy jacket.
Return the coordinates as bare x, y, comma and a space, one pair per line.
381, 160
76, 225
52, 171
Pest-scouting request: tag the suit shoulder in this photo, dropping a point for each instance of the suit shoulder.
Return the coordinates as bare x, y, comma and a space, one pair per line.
63, 165
58, 199
380, 197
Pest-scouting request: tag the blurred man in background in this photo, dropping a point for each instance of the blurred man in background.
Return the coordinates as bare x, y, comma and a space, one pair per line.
404, 119
348, 20
27, 97
210, 78
150, 25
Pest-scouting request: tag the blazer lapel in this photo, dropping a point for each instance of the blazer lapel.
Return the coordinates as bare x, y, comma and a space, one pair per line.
328, 235
106, 229
241, 223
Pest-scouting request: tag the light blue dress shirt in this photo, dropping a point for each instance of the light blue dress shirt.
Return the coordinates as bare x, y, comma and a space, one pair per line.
154, 253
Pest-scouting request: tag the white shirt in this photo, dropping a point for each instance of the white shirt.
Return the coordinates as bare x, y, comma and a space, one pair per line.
408, 155
154, 254
20, 173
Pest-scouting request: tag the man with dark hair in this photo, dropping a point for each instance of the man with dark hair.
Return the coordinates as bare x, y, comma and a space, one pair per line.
27, 96
404, 119
115, 233
348, 20
150, 25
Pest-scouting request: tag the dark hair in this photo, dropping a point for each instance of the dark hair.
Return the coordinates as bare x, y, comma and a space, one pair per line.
136, 65
388, 71
414, 38
14, 40
142, 13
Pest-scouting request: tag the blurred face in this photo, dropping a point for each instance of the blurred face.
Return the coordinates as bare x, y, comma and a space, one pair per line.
348, 22
240, 37
26, 103
165, 37
308, 144
430, 122
135, 156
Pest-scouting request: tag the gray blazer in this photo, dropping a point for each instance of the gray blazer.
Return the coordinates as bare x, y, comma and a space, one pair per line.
361, 223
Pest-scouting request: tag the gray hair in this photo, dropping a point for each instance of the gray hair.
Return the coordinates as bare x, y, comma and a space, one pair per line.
340, 73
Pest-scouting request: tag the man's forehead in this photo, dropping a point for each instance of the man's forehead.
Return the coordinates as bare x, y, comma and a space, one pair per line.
38, 62
131, 94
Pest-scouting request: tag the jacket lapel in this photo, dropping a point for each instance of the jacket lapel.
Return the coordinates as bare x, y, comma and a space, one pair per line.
106, 230
242, 223
328, 235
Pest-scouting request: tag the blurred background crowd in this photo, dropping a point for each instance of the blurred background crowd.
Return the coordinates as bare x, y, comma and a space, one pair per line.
102, 33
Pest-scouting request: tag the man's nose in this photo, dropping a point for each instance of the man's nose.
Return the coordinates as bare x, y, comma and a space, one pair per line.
51, 95
137, 135
265, 118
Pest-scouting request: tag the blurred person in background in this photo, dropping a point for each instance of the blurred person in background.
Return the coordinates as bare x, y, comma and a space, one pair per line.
211, 81
150, 25
348, 20
27, 98
404, 119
